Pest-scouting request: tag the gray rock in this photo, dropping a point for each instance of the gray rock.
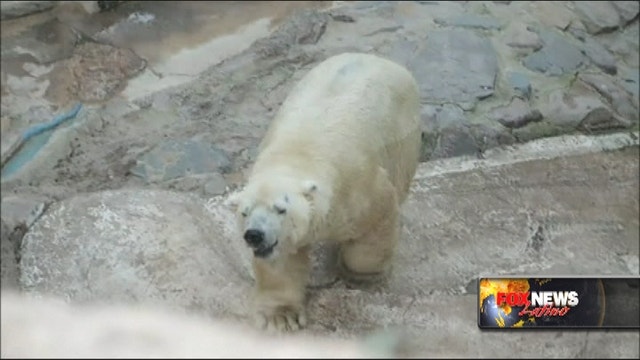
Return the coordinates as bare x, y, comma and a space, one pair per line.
215, 185
385, 29
470, 21
46, 43
515, 115
428, 146
119, 107
517, 35
624, 44
306, 27
199, 183
553, 14
600, 56
95, 73
186, 183
9, 273
598, 16
602, 119
158, 247
248, 155
619, 99
21, 118
455, 141
22, 210
520, 83
401, 51
558, 56
174, 159
490, 136
342, 18
579, 107
455, 66
438, 117
578, 31
631, 82
447, 132
14, 9
102, 70
18, 214
628, 10
374, 6
539, 130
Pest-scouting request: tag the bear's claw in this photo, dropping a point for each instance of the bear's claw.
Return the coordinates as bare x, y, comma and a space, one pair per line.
282, 321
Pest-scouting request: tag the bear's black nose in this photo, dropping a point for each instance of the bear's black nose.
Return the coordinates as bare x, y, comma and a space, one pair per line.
254, 237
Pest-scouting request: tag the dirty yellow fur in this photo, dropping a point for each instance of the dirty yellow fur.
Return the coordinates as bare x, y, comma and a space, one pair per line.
339, 157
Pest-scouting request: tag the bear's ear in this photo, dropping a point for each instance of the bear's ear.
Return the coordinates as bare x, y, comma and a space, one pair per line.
233, 200
309, 187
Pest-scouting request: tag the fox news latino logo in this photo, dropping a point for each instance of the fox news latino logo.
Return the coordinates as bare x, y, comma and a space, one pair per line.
540, 303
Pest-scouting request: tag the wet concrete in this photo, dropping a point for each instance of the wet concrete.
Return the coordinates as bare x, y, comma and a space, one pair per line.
178, 41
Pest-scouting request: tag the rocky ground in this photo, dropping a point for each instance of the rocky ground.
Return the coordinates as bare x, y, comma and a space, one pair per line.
121, 202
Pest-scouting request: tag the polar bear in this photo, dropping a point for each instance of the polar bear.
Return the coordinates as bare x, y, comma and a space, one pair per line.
335, 165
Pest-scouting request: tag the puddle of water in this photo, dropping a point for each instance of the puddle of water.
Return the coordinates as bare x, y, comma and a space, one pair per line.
189, 62
215, 31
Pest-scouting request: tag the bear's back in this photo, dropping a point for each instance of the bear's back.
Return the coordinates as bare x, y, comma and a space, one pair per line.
352, 108
350, 94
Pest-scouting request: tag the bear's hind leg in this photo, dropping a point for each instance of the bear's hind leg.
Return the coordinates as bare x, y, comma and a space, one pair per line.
368, 258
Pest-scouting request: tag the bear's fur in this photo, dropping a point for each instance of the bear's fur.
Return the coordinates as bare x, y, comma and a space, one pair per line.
335, 164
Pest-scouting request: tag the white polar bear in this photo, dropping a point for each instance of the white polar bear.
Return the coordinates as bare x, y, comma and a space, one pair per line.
335, 164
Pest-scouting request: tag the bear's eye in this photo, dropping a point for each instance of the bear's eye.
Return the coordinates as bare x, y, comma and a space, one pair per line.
245, 212
280, 210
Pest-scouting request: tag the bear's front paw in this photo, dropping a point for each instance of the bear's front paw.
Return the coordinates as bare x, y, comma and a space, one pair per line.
282, 319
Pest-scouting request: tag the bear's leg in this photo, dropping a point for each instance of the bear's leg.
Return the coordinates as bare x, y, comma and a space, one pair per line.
280, 291
368, 258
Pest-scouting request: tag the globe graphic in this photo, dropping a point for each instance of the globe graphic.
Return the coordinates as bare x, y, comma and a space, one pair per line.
588, 313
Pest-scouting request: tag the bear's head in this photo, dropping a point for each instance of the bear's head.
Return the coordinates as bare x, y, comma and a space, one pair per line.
274, 216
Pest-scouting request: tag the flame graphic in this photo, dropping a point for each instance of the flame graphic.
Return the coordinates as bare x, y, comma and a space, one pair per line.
490, 287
